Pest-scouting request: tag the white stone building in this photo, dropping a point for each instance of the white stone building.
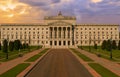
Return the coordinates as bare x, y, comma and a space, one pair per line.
59, 32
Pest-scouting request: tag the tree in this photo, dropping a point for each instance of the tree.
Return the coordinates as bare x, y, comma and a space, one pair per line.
17, 44
0, 46
119, 45
114, 46
11, 45
27, 45
104, 44
24, 45
95, 46
5, 48
109, 45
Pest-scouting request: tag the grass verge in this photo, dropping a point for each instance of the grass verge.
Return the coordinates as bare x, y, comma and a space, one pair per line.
82, 56
15, 54
104, 54
35, 57
101, 70
15, 70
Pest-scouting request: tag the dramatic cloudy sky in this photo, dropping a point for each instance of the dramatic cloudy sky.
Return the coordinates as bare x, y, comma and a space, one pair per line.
86, 11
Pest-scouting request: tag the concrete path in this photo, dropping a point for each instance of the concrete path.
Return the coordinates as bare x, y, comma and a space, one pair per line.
5, 66
112, 66
59, 63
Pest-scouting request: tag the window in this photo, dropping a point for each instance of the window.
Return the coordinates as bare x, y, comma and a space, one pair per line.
16, 28
33, 28
3, 28
89, 28
20, 28
29, 28
33, 37
81, 28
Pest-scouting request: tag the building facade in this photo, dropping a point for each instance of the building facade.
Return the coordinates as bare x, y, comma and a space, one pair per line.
59, 32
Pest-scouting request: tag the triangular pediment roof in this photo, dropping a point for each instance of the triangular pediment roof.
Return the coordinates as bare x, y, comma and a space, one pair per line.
59, 23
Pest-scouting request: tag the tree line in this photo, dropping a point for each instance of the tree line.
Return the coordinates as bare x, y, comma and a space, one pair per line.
109, 45
12, 45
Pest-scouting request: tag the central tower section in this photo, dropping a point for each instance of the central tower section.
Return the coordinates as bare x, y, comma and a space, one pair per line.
61, 30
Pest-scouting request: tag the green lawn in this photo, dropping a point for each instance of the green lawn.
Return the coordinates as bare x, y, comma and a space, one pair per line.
35, 57
102, 71
14, 54
85, 58
104, 53
15, 70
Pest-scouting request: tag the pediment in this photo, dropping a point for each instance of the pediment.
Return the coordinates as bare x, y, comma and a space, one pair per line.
60, 23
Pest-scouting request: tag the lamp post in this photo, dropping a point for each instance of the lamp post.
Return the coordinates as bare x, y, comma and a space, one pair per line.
29, 43
81, 44
89, 42
110, 48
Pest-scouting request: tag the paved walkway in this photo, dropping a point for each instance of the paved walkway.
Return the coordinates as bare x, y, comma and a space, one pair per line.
5, 66
112, 66
59, 63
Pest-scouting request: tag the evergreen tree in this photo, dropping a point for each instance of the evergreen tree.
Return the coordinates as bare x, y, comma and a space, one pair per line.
11, 46
95, 46
119, 45
114, 46
104, 44
24, 45
0, 46
17, 44
27, 45
109, 45
5, 48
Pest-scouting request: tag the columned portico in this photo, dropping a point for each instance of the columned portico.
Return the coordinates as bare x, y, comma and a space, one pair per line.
60, 37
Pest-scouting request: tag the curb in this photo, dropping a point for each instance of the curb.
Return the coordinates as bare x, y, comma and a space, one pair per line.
33, 64
85, 64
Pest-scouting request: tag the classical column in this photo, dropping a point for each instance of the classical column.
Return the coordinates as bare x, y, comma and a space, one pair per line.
66, 33
59, 35
64, 29
58, 32
53, 32
61, 32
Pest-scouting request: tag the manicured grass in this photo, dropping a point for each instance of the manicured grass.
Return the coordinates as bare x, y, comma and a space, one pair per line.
14, 54
105, 54
35, 57
102, 71
15, 70
82, 56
